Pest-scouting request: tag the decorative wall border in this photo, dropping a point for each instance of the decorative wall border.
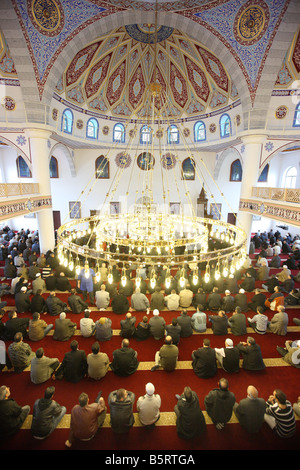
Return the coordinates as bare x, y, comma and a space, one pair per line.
24, 206
287, 213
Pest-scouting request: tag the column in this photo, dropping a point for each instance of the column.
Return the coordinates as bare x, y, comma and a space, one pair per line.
40, 173
251, 161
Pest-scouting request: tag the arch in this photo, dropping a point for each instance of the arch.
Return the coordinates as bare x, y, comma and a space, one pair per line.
199, 131
296, 121
53, 167
225, 126
18, 150
102, 167
189, 25
229, 152
236, 171
41, 89
92, 128
119, 133
67, 120
188, 169
23, 169
263, 177
173, 134
146, 135
67, 153
290, 177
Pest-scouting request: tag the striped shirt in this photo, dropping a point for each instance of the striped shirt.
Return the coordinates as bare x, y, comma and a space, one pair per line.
46, 271
285, 419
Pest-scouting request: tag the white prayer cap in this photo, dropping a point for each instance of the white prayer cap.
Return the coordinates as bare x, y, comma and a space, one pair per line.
150, 388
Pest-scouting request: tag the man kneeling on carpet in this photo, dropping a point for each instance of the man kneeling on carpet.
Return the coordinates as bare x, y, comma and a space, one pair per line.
121, 410
86, 418
148, 406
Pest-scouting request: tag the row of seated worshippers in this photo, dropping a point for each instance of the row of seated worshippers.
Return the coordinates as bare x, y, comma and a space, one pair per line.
178, 297
213, 302
20, 353
76, 365
45, 264
88, 416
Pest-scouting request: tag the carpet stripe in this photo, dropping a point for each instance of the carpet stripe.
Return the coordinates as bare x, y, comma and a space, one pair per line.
167, 418
182, 365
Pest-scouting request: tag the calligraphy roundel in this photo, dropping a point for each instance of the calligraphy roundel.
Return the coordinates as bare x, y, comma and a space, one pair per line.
251, 22
47, 16
123, 160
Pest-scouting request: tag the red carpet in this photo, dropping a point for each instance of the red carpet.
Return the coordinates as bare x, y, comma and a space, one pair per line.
233, 437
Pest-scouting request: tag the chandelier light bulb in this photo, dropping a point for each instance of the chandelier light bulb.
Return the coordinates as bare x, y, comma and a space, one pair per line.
77, 269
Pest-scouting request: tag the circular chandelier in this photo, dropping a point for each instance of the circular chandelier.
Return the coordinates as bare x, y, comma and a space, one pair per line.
147, 237
151, 240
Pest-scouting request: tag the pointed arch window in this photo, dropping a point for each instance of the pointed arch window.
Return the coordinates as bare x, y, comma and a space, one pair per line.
263, 177
53, 167
67, 121
225, 125
236, 172
188, 169
199, 131
102, 167
92, 128
22, 168
119, 133
173, 134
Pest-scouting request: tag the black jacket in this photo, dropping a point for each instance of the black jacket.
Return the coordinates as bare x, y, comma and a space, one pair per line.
38, 304
128, 327
12, 417
15, 325
120, 304
214, 301
73, 367
219, 324
121, 412
231, 361
190, 421
252, 357
76, 304
219, 405
185, 322
55, 306
124, 362
204, 362
22, 302
44, 412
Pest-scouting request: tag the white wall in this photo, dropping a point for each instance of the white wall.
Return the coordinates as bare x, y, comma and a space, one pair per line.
125, 185
92, 193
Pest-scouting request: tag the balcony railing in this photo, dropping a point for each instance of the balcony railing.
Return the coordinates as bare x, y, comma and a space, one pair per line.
277, 194
18, 189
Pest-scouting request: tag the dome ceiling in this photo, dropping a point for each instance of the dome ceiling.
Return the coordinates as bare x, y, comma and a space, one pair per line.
112, 74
